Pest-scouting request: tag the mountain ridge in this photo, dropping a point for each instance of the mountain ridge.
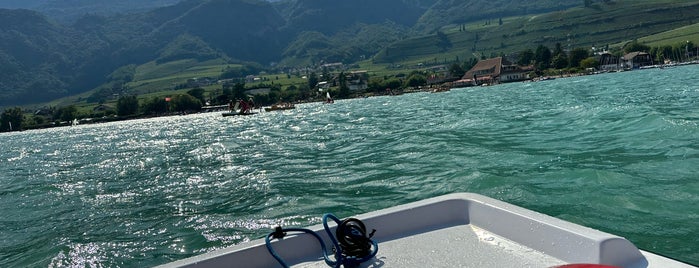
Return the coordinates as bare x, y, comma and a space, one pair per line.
43, 58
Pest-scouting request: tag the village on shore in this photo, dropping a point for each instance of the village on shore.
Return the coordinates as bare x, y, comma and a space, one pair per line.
341, 83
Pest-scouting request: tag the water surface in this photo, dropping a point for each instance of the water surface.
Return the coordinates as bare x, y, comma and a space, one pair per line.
616, 152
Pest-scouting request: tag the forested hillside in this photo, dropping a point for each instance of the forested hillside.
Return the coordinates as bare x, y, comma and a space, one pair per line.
445, 12
37, 57
43, 57
21, 3
69, 10
328, 17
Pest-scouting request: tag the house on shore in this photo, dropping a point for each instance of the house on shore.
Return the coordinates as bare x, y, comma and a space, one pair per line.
609, 62
358, 80
494, 71
636, 60
355, 81
335, 66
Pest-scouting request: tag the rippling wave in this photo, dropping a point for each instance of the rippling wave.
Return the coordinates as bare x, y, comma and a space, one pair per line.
616, 152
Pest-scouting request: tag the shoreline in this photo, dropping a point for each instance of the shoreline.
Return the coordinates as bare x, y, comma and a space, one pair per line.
401, 91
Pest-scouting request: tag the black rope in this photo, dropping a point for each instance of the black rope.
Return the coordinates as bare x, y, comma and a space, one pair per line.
351, 244
353, 239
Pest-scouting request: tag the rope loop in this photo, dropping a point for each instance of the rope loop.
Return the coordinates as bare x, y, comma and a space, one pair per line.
351, 244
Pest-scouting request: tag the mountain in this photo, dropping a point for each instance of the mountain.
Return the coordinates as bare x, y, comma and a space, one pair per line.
70, 10
445, 12
42, 58
240, 29
26, 4
37, 56
345, 31
329, 16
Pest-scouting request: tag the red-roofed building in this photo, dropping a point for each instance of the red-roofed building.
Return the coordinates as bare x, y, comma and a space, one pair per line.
495, 71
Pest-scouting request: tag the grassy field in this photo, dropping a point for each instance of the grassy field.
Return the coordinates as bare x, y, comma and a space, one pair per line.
673, 37
153, 77
599, 25
153, 80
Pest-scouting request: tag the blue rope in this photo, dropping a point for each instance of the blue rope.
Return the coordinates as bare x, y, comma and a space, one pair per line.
281, 261
340, 257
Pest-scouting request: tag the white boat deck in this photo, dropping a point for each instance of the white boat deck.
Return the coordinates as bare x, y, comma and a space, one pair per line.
457, 230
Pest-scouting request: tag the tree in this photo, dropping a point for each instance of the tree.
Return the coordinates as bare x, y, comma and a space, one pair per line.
468, 64
156, 105
393, 83
197, 93
590, 62
455, 70
376, 84
238, 91
542, 57
525, 57
558, 50
67, 113
127, 105
576, 56
665, 52
689, 48
344, 89
305, 92
11, 119
184, 103
37, 120
560, 61
635, 46
415, 80
312, 80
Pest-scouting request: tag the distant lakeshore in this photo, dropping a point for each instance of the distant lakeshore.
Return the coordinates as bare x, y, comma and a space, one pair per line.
399, 91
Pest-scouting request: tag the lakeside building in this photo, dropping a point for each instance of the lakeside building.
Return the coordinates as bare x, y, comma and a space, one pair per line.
358, 80
494, 71
335, 66
609, 62
636, 60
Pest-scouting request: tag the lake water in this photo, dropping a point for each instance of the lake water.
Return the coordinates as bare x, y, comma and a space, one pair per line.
616, 152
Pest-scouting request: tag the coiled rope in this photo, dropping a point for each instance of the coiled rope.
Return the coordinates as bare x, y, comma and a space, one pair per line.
351, 244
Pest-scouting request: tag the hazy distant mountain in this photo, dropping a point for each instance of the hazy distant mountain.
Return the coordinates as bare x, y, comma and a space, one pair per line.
69, 10
37, 57
329, 16
41, 59
28, 4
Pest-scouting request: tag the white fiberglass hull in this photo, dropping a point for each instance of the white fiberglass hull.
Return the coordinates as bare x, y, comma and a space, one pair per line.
456, 230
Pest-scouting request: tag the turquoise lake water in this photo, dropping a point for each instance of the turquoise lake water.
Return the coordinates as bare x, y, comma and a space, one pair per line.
616, 152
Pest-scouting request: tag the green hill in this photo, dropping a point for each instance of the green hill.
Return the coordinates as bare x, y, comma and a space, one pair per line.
445, 12
602, 24
42, 60
673, 37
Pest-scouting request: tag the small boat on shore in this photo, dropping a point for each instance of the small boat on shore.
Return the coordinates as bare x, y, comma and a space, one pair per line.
441, 88
280, 107
235, 113
455, 230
